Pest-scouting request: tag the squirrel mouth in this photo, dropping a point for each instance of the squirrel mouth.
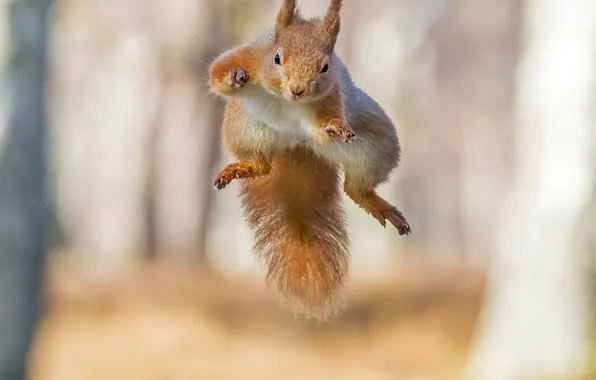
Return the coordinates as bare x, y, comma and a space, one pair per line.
297, 98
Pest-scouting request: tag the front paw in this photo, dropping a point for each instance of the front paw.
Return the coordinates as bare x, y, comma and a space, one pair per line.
339, 130
230, 173
237, 78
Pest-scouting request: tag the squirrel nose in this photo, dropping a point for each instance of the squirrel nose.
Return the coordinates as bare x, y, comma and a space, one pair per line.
296, 89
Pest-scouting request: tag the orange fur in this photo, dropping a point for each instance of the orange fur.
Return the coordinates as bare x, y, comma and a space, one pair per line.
329, 116
241, 170
300, 229
332, 20
286, 13
377, 207
246, 58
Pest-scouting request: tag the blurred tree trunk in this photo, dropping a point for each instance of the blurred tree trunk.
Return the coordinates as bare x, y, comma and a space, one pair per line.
434, 186
481, 54
23, 208
457, 89
374, 248
428, 111
535, 320
105, 95
187, 133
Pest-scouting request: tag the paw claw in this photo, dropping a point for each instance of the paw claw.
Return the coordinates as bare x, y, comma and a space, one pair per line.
339, 130
398, 220
230, 173
220, 184
237, 78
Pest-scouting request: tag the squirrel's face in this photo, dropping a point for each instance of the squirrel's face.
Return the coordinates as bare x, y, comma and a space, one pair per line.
300, 64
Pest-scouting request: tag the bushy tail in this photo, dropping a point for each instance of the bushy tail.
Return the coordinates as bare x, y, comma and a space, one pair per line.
300, 230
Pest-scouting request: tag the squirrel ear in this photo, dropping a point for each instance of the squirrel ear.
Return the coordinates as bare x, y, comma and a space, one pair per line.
332, 20
286, 13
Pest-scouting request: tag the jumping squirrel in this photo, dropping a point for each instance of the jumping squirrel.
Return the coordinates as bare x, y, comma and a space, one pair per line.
293, 119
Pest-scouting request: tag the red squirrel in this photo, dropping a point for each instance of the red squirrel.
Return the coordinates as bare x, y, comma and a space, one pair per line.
293, 119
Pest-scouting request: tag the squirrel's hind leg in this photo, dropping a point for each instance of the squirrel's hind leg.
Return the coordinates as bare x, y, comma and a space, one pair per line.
378, 208
242, 169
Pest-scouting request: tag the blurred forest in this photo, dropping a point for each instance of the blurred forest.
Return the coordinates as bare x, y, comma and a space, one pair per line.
109, 146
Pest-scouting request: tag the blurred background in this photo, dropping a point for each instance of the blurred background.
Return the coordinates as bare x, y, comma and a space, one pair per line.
118, 260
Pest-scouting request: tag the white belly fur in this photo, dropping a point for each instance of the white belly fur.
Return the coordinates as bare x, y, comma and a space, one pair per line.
294, 122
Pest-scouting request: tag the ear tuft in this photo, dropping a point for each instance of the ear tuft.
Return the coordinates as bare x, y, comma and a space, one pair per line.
332, 20
286, 13
335, 6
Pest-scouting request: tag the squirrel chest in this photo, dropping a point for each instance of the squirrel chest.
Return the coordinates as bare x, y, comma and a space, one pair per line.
292, 121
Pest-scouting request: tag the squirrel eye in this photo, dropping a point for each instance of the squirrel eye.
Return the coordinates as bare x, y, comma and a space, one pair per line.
277, 59
325, 68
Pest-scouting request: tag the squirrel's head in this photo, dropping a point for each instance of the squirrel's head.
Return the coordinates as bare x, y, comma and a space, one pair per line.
300, 65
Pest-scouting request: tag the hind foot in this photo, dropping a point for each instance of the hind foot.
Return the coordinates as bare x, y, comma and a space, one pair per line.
395, 217
380, 209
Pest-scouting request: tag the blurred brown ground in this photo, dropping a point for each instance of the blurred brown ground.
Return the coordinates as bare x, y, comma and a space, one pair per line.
167, 323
